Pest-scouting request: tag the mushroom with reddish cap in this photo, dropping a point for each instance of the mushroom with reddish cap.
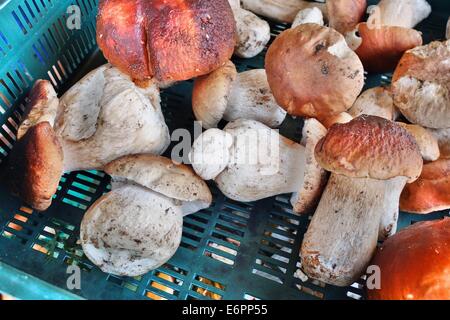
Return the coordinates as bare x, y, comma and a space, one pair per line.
431, 192
361, 195
421, 85
249, 162
137, 226
414, 263
166, 40
227, 94
312, 72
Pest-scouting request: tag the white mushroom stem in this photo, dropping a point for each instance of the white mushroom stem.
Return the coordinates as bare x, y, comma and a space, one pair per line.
280, 10
309, 15
344, 230
400, 13
388, 224
249, 162
253, 33
251, 98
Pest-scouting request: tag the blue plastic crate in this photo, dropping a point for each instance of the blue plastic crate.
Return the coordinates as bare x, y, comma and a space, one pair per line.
230, 251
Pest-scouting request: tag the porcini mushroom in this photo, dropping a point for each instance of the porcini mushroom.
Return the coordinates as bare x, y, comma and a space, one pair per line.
254, 162
414, 263
308, 15
344, 15
137, 226
253, 33
427, 143
86, 129
226, 94
429, 193
376, 101
166, 40
312, 72
421, 85
406, 14
363, 189
443, 139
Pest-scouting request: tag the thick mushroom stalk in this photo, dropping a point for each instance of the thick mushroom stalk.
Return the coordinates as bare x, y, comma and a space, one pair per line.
364, 186
280, 10
253, 33
137, 226
226, 94
254, 162
406, 14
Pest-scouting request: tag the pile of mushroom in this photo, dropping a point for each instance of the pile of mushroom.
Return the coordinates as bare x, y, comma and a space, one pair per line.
86, 129
249, 161
137, 226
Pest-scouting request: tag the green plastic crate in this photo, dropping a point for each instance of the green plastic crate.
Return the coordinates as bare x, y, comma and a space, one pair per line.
258, 262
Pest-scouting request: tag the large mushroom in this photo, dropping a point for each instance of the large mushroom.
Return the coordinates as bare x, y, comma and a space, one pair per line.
312, 72
86, 129
229, 95
431, 192
249, 161
414, 263
167, 40
371, 160
137, 226
421, 85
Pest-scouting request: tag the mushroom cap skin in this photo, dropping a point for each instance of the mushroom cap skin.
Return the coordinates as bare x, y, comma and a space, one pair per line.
414, 263
92, 124
427, 143
315, 177
381, 48
211, 153
131, 230
253, 34
312, 72
35, 166
421, 85
211, 94
42, 106
376, 101
370, 147
344, 15
431, 192
161, 175
168, 40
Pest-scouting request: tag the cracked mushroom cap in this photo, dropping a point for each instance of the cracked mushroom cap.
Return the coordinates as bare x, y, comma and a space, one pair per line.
161, 175
421, 85
35, 164
431, 192
370, 147
131, 230
380, 48
168, 40
414, 263
312, 72
211, 94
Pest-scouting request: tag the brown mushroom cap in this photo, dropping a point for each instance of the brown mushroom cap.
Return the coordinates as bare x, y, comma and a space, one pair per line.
312, 72
35, 166
421, 85
370, 147
415, 263
382, 47
344, 15
168, 40
431, 192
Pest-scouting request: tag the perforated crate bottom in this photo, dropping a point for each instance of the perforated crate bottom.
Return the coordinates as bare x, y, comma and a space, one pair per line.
229, 251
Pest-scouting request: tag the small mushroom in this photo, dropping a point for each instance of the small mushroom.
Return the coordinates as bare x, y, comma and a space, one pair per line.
226, 94
252, 32
312, 72
376, 101
280, 10
443, 139
427, 143
308, 15
421, 85
137, 226
364, 187
260, 163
